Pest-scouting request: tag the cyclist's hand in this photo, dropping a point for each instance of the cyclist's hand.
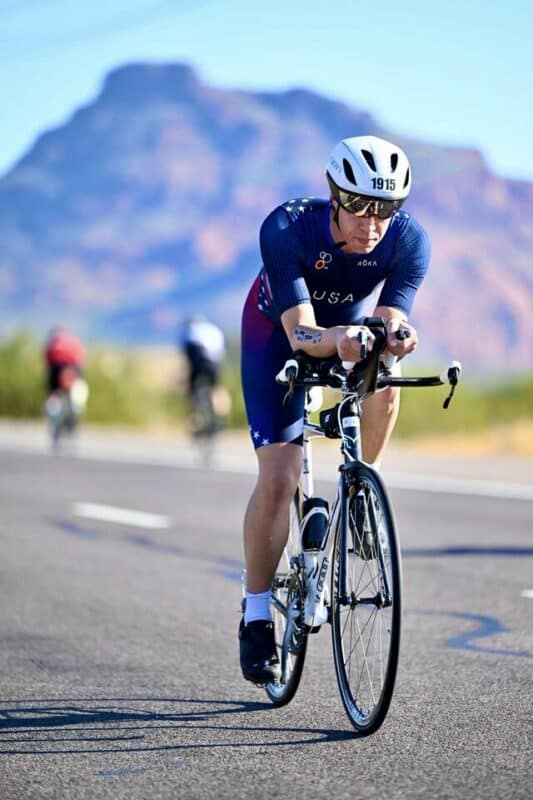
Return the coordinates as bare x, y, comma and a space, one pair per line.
349, 341
402, 337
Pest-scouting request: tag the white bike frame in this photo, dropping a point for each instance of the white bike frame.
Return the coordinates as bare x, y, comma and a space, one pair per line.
318, 563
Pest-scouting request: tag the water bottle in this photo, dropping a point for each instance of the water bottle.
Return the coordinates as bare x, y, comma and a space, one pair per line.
314, 522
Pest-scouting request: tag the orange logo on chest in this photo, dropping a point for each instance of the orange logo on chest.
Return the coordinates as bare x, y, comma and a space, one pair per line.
324, 260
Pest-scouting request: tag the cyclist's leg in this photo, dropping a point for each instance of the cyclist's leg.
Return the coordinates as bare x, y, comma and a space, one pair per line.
380, 412
218, 404
276, 432
266, 522
52, 405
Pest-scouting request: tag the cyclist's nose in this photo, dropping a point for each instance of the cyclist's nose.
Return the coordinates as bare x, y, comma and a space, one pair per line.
368, 224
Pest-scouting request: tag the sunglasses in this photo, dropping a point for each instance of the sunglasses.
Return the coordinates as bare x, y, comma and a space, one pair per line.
363, 205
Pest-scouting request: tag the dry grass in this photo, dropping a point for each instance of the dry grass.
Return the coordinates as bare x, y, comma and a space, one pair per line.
161, 367
515, 439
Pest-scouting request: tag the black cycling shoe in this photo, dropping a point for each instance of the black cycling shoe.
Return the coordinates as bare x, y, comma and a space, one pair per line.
259, 658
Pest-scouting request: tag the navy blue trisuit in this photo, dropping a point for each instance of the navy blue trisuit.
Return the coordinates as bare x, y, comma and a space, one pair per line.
301, 264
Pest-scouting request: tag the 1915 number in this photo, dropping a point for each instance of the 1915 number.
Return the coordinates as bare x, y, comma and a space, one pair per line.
384, 183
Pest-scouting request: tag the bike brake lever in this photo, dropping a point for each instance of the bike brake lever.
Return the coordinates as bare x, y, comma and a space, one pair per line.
453, 372
289, 393
448, 399
362, 338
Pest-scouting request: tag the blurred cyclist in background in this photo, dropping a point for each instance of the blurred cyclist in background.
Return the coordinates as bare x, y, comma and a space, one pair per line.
64, 357
203, 345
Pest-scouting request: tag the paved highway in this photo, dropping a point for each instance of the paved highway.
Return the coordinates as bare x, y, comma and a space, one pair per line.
119, 672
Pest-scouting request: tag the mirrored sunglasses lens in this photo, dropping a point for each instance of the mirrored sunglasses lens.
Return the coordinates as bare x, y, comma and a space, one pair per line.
371, 206
355, 203
386, 209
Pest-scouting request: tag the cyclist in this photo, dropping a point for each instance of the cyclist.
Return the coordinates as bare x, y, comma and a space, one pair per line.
64, 357
203, 345
63, 351
327, 264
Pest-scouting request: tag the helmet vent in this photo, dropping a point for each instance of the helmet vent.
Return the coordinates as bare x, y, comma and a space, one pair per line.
393, 161
406, 181
348, 171
369, 158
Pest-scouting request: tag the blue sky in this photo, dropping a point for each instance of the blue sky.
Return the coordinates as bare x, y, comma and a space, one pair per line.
452, 73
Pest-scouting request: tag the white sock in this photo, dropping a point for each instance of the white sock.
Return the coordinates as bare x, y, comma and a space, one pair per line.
376, 465
257, 606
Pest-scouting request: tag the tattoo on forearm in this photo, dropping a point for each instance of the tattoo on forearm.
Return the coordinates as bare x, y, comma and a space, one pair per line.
310, 337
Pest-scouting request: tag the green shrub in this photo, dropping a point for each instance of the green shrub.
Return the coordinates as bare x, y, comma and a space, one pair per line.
117, 391
231, 378
471, 410
22, 380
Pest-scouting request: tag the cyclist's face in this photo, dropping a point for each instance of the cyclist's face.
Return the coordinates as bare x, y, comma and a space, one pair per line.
360, 233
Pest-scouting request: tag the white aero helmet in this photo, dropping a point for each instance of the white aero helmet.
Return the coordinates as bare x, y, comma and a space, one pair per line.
367, 166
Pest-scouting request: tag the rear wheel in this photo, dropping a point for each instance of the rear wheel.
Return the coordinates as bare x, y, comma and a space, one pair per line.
367, 609
287, 614
60, 417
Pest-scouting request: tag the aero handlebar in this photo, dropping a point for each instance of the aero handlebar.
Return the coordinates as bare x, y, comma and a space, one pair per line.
365, 377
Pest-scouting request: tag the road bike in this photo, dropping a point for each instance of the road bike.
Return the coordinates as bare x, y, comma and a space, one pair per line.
342, 565
65, 406
204, 422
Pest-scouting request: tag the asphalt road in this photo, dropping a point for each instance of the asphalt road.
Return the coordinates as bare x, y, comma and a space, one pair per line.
118, 660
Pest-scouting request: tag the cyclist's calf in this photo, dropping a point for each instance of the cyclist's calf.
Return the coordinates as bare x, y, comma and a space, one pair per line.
380, 412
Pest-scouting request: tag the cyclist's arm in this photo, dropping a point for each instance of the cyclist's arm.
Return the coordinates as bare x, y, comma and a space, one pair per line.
409, 266
395, 318
304, 334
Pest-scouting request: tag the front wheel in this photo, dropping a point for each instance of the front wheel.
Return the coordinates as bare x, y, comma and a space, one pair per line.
366, 601
287, 614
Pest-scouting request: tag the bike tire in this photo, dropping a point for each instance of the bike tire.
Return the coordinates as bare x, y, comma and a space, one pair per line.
365, 628
59, 424
287, 589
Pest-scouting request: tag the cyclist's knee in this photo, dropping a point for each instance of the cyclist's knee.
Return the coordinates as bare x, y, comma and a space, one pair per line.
278, 474
386, 401
278, 489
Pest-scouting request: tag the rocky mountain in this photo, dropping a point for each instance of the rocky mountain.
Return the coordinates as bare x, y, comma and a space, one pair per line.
146, 204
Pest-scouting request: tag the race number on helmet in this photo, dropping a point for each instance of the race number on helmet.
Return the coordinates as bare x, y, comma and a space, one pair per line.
370, 166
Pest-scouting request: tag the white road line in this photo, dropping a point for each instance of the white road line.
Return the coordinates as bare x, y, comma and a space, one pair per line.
527, 593
122, 516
